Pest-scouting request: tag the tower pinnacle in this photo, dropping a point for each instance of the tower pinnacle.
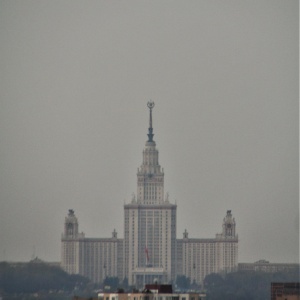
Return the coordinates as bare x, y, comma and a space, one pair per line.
150, 134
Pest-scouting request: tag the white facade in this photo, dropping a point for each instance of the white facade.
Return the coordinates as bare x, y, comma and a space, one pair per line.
149, 242
70, 245
94, 258
149, 249
149, 223
200, 257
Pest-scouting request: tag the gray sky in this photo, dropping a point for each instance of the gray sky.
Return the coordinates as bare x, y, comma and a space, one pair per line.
75, 80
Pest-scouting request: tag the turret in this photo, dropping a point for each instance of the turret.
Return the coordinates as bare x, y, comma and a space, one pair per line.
228, 227
71, 226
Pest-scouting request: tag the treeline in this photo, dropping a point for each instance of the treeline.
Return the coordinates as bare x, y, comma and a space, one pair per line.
53, 283
245, 285
35, 277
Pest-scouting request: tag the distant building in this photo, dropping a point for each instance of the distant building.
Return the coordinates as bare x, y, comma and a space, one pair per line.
285, 291
150, 292
266, 266
95, 258
150, 250
200, 257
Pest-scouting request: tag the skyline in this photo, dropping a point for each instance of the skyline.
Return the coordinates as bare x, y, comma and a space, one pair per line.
73, 121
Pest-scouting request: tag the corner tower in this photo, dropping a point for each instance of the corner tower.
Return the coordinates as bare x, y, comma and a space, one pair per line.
229, 226
227, 245
71, 226
150, 223
70, 245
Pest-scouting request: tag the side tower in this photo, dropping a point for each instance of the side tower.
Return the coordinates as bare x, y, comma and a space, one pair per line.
227, 245
150, 223
71, 226
229, 226
70, 245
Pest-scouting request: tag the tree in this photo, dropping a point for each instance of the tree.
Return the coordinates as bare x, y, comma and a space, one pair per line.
183, 282
36, 277
125, 283
212, 280
111, 282
244, 285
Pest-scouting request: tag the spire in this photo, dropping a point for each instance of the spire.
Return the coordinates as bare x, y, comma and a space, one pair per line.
150, 134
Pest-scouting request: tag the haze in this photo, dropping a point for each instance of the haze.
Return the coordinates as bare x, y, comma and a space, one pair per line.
75, 80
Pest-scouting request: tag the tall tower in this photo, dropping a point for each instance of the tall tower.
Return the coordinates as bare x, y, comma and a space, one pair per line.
150, 223
150, 177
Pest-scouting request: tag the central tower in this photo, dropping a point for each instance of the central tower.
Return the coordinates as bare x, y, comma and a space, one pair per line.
150, 223
150, 177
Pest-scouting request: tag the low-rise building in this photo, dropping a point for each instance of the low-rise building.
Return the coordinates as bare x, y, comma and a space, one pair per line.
265, 266
152, 292
285, 291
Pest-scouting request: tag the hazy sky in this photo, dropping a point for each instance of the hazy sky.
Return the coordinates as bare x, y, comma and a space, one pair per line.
75, 80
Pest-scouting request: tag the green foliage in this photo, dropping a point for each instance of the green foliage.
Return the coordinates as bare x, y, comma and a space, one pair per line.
213, 280
244, 285
125, 284
112, 282
36, 277
183, 282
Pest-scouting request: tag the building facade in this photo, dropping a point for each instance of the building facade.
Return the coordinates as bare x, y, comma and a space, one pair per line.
285, 290
200, 257
150, 223
152, 292
265, 266
149, 249
95, 258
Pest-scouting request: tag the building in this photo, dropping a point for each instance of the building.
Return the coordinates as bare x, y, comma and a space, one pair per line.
200, 257
150, 292
265, 266
150, 223
150, 250
285, 291
95, 258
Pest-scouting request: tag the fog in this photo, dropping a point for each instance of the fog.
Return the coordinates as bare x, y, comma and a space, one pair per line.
75, 80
